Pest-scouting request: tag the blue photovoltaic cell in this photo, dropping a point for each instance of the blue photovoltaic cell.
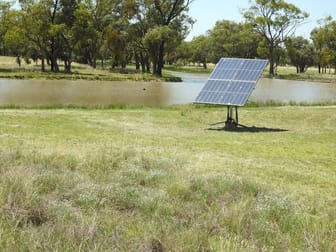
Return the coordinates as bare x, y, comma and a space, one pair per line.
231, 82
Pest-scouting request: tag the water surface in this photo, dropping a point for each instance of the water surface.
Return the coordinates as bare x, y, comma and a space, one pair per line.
82, 92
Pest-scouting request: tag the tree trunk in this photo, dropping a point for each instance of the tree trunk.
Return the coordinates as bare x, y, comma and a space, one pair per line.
69, 61
155, 65
54, 65
53, 58
205, 64
123, 66
147, 65
271, 60
302, 69
94, 56
67, 66
142, 62
137, 61
94, 62
42, 65
160, 60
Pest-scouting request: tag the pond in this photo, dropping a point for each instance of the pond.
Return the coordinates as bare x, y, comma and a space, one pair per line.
81, 92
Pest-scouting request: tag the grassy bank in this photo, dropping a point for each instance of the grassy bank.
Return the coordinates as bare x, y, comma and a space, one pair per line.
283, 72
289, 73
143, 178
9, 69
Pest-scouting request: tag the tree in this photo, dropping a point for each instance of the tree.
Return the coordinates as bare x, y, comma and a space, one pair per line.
153, 41
275, 21
182, 54
38, 16
200, 50
88, 30
111, 20
95, 16
279, 54
87, 36
14, 39
324, 39
5, 25
65, 24
164, 13
231, 39
300, 52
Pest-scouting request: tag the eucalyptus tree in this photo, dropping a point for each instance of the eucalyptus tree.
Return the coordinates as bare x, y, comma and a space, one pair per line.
275, 21
163, 17
324, 39
54, 32
49, 28
231, 39
4, 10
13, 38
301, 53
92, 20
200, 50
182, 54
141, 23
43, 29
153, 41
118, 38
219, 37
86, 49
37, 17
65, 32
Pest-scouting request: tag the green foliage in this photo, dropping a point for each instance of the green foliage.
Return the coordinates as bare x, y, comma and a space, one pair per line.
301, 53
275, 21
324, 39
200, 50
88, 31
150, 34
157, 17
231, 39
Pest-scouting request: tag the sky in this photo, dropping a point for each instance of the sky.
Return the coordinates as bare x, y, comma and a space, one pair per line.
207, 12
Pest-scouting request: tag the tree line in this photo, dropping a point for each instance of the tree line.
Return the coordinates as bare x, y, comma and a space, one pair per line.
267, 32
94, 31
151, 33
241, 40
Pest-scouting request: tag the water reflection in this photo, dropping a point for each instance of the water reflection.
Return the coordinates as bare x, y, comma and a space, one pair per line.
298, 91
80, 92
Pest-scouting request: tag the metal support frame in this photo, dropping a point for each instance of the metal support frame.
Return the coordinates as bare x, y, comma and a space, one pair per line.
231, 122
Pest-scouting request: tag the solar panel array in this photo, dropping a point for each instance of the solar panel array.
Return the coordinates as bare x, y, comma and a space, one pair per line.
232, 81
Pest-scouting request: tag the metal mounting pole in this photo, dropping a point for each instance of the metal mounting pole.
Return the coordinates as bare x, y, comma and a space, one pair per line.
228, 114
237, 115
231, 123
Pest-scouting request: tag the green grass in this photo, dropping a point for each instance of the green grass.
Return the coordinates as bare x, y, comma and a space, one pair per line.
134, 178
190, 69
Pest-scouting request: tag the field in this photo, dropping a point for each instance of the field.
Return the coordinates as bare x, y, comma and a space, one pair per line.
132, 178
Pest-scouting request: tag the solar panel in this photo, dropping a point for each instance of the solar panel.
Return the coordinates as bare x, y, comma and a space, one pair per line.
231, 82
